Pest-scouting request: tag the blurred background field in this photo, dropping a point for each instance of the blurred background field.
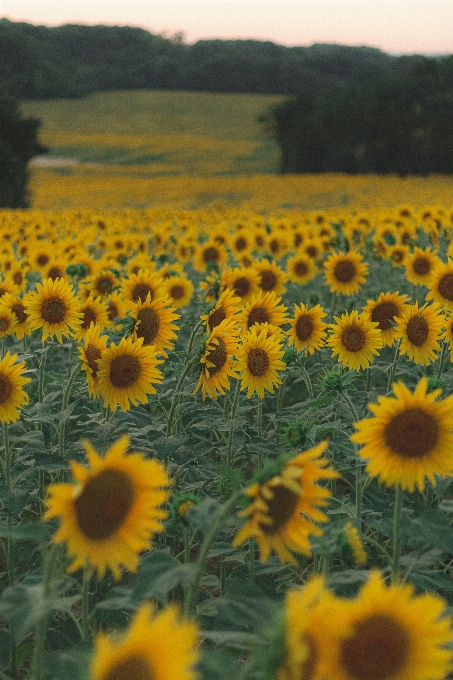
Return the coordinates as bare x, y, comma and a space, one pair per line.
138, 149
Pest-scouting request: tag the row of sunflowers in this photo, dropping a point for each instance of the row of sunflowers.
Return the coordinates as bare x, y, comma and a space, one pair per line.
226, 444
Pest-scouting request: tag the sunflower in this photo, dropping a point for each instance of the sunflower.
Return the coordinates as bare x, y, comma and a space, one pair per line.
307, 328
8, 321
263, 308
355, 339
301, 269
441, 285
217, 362
285, 508
244, 281
12, 396
54, 308
179, 289
419, 330
410, 436
272, 277
241, 244
127, 372
154, 323
156, 646
102, 282
419, 266
208, 254
306, 644
94, 311
92, 350
109, 514
226, 307
353, 544
345, 272
384, 310
16, 305
259, 359
138, 286
116, 307
54, 269
389, 633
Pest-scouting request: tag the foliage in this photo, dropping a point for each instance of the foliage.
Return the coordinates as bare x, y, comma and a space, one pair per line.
396, 124
18, 144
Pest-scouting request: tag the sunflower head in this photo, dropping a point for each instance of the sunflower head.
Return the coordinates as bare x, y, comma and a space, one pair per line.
108, 515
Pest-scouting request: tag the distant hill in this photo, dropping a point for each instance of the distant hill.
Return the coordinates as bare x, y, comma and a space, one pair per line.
38, 62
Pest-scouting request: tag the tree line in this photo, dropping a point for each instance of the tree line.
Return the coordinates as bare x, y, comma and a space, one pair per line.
74, 60
393, 124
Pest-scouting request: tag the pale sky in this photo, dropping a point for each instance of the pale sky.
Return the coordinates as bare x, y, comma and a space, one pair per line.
400, 26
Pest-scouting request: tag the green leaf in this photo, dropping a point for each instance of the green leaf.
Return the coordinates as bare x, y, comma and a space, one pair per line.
26, 531
24, 605
68, 665
433, 530
6, 644
200, 516
15, 500
159, 573
217, 664
429, 580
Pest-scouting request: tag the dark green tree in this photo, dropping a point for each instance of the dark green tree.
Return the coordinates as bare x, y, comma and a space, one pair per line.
18, 144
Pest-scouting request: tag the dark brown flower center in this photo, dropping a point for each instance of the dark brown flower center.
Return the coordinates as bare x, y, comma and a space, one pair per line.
304, 327
298, 240
216, 318
211, 254
421, 265
6, 388
42, 260
18, 309
218, 357
344, 271
274, 246
177, 292
3, 290
308, 666
148, 326
377, 650
268, 280
5, 324
140, 291
53, 309
383, 314
89, 316
445, 286
259, 240
413, 433
112, 311
125, 370
18, 278
258, 315
280, 509
301, 268
417, 330
240, 243
257, 361
92, 356
133, 667
55, 273
241, 286
353, 339
104, 504
312, 251
104, 285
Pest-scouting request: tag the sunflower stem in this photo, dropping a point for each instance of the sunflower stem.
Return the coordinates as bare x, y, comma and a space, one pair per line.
259, 417
395, 565
37, 664
440, 362
42, 363
174, 403
208, 540
368, 379
3, 346
351, 406
307, 381
233, 414
64, 406
393, 367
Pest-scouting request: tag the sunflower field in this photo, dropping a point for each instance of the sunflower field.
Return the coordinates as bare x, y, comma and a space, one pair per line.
227, 444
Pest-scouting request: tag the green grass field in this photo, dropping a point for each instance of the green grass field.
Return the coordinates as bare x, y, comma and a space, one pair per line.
193, 133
